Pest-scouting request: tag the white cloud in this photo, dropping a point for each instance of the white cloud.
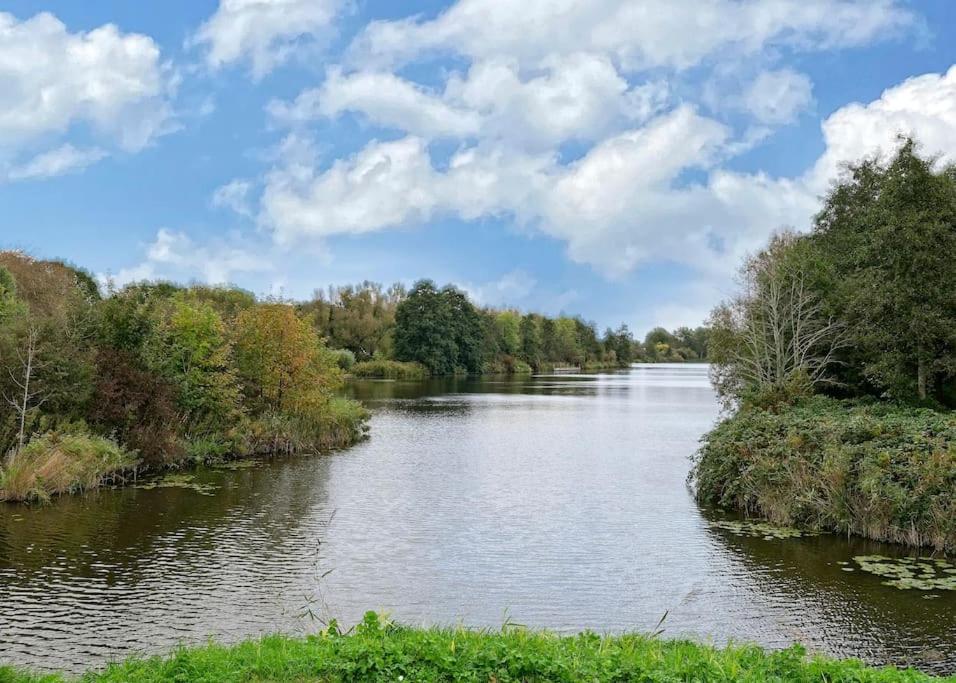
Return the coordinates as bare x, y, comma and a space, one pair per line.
507, 290
778, 97
51, 79
573, 97
578, 96
176, 256
63, 159
651, 33
265, 33
234, 196
391, 184
385, 99
384, 185
626, 201
924, 106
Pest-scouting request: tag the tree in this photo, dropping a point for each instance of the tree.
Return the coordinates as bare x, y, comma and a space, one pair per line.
359, 318
620, 343
188, 347
464, 323
530, 341
27, 394
282, 362
775, 337
439, 328
421, 330
888, 231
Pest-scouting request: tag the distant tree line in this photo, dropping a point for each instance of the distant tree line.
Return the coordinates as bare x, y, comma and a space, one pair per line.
863, 305
440, 328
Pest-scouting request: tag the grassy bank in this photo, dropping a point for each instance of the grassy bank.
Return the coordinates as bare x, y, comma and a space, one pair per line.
378, 651
58, 463
876, 470
54, 464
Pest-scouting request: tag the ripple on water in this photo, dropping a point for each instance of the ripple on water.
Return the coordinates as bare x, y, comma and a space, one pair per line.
556, 502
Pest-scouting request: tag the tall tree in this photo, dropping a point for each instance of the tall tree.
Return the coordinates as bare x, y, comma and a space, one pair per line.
889, 233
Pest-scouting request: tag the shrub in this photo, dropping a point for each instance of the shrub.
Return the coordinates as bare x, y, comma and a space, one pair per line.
58, 463
340, 423
878, 470
137, 406
389, 369
344, 358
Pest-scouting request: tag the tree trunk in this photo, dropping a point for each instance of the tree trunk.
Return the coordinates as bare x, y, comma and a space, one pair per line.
921, 379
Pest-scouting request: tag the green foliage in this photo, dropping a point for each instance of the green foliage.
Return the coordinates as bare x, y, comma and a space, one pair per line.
440, 329
389, 369
188, 346
358, 318
530, 331
888, 232
379, 650
344, 358
174, 374
874, 469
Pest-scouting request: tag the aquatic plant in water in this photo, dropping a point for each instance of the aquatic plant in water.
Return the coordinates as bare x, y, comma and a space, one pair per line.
908, 573
763, 530
179, 481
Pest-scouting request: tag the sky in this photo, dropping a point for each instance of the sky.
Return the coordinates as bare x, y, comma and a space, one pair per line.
609, 158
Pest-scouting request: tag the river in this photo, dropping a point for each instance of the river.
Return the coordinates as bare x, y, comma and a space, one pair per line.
554, 501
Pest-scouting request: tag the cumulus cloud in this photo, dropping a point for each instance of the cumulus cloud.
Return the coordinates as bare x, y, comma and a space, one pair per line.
575, 97
385, 99
111, 83
176, 256
264, 33
626, 201
652, 33
924, 106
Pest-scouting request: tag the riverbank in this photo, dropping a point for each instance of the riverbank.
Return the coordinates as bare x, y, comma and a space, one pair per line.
872, 469
60, 463
380, 651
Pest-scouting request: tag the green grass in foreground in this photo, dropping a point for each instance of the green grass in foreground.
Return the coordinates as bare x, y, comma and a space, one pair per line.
378, 651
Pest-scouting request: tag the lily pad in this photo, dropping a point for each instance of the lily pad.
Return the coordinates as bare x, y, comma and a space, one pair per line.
179, 481
911, 573
763, 530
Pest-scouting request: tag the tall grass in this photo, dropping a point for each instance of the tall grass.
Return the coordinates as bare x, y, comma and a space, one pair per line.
379, 651
342, 422
57, 463
877, 470
389, 369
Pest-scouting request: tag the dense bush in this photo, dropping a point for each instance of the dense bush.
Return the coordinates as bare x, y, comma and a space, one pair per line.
173, 374
379, 651
874, 469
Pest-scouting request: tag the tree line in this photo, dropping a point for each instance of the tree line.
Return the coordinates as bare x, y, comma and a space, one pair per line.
862, 305
441, 329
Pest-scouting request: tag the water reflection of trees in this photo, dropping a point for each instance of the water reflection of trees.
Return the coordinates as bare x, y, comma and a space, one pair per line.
123, 527
846, 613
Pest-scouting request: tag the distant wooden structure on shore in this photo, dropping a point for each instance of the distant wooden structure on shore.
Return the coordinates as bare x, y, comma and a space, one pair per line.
567, 370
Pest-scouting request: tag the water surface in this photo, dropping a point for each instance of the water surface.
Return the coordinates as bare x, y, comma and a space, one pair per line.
555, 502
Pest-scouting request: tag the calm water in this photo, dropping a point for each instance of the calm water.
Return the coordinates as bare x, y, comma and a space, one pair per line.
555, 502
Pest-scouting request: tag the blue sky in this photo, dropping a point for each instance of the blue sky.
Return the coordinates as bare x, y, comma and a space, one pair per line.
613, 158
